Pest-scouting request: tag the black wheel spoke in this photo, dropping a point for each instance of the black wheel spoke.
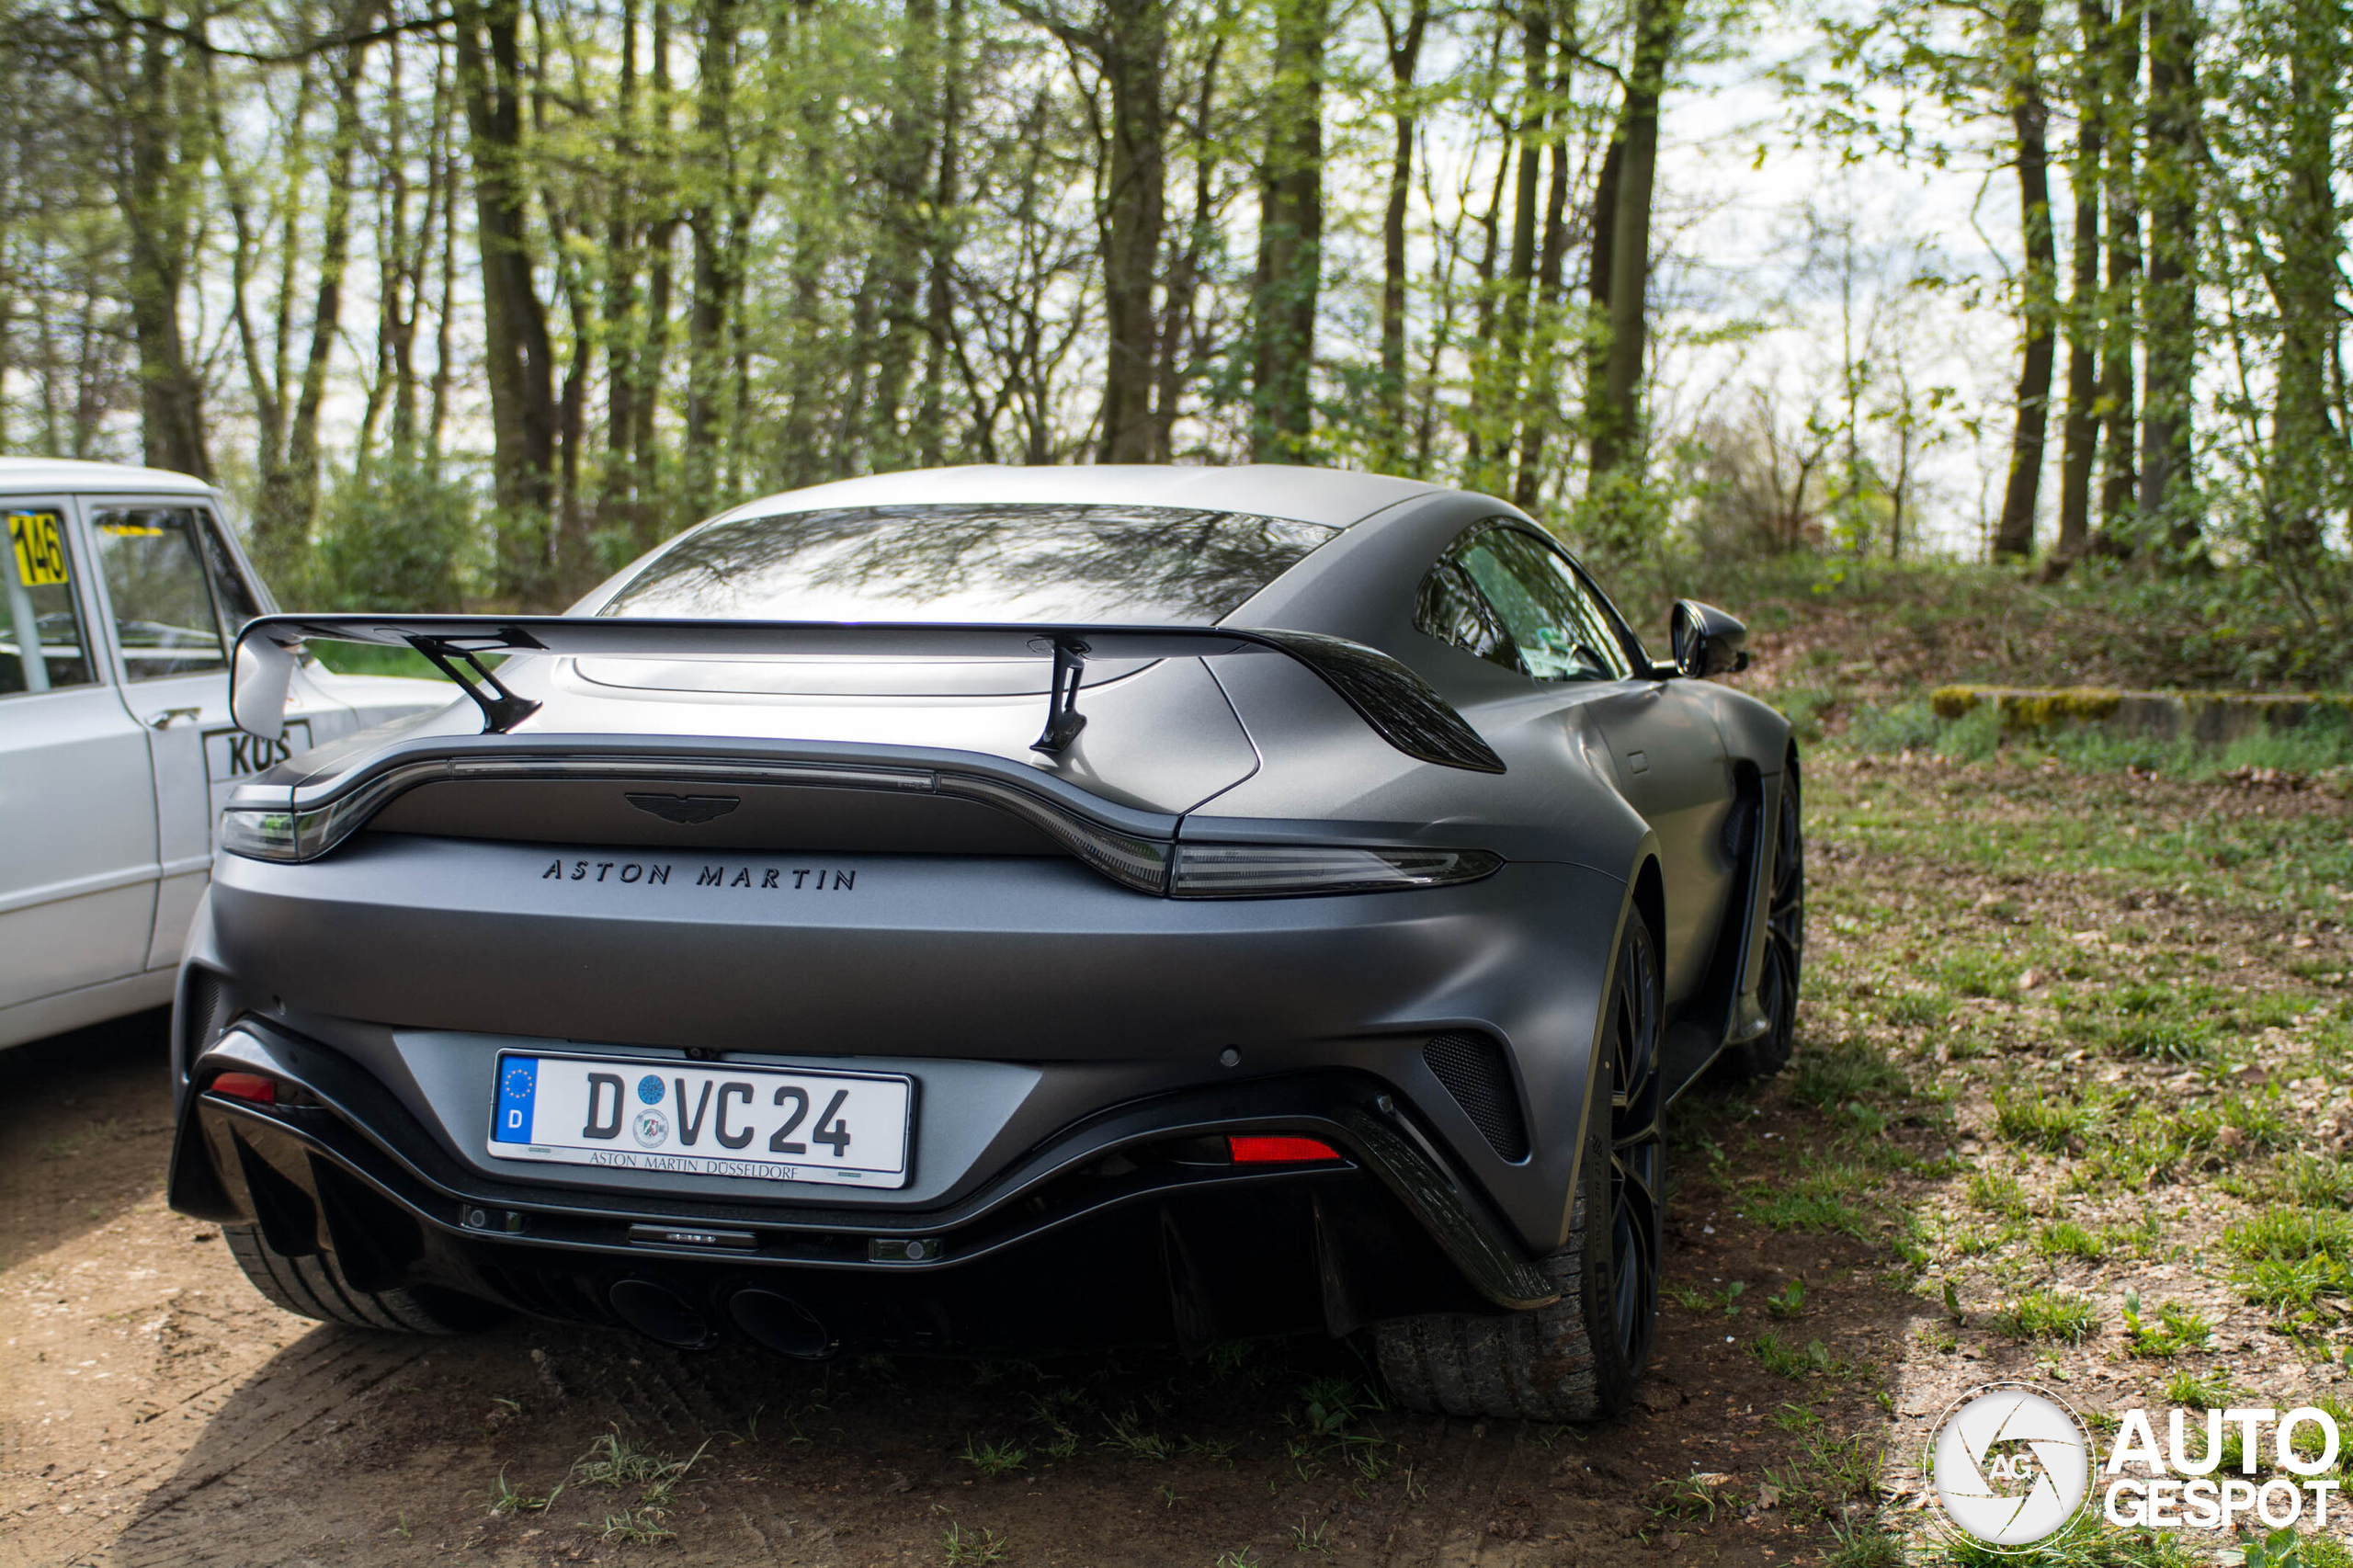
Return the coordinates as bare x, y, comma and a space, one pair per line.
1636, 1148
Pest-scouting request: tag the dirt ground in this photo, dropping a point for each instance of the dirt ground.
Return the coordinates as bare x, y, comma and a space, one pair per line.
1847, 1249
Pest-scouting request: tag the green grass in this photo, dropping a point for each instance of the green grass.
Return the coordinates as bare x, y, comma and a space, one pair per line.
1697, 1497
2086, 1546
1917, 1009
1839, 1075
2198, 1391
1785, 1361
2067, 1239
994, 1459
1815, 1204
2047, 1312
1862, 1543
2159, 1039
973, 1549
1998, 1192
2040, 1120
1978, 973
2175, 1329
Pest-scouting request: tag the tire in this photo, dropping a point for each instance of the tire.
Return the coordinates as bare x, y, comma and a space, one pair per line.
1580, 1358
314, 1287
1784, 968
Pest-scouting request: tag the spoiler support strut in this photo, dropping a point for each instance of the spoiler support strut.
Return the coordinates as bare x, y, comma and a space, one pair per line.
1063, 720
501, 709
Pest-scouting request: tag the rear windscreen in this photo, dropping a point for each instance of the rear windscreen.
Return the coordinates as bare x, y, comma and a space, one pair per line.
1010, 563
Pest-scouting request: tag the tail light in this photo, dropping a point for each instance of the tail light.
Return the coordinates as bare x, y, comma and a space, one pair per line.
1276, 870
1279, 1149
249, 1086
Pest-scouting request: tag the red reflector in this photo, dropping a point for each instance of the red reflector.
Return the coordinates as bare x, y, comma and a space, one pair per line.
1259, 1150
246, 1086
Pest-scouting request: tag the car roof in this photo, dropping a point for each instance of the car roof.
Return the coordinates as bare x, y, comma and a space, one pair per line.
68, 473
1333, 497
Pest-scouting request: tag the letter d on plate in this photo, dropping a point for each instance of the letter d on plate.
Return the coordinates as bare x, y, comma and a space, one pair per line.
599, 1086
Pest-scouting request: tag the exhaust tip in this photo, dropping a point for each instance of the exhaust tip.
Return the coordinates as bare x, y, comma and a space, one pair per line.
660, 1313
781, 1323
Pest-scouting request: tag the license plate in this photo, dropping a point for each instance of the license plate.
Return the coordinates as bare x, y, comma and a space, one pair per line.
737, 1122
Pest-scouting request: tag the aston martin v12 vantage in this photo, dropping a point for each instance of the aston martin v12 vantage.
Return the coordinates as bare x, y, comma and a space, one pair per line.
1001, 908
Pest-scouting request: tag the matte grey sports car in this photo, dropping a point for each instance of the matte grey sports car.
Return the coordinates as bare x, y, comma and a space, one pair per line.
1008, 908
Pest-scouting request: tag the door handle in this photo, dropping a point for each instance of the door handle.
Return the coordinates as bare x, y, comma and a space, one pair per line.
169, 716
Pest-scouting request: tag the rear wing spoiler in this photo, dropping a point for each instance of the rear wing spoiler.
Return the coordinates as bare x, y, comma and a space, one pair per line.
1398, 705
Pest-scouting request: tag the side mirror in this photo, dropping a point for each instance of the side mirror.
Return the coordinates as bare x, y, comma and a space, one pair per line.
1706, 641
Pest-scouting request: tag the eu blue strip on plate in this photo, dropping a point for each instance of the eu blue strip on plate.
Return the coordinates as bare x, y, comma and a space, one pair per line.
519, 1082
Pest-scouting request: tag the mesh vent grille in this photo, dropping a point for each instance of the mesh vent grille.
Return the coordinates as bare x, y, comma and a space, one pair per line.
209, 1003
1471, 1067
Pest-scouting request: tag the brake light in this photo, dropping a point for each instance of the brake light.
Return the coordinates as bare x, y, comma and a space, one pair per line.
1257, 1149
246, 1086
1275, 870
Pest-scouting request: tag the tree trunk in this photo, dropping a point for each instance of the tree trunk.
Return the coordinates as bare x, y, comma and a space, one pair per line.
2030, 123
2167, 496
1404, 50
158, 153
661, 248
1616, 412
298, 502
947, 224
2120, 315
709, 290
1290, 237
2079, 440
616, 500
904, 226
1182, 293
1132, 50
518, 360
2304, 479
1542, 405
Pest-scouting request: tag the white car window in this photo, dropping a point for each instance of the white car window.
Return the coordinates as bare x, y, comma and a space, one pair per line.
163, 615
41, 645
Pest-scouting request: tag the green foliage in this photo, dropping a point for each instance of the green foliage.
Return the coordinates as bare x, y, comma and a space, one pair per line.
1785, 1361
2046, 1312
2040, 1120
2175, 1329
398, 538
2197, 1390
1834, 1074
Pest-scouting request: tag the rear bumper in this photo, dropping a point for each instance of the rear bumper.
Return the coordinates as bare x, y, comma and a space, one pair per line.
1026, 996
1098, 1237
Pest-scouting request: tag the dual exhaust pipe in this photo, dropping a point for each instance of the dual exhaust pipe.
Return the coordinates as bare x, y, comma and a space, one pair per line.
766, 1317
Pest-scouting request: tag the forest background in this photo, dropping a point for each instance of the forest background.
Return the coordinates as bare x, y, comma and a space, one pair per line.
468, 302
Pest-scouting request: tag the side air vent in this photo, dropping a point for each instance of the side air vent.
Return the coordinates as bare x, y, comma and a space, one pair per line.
1472, 1068
210, 1002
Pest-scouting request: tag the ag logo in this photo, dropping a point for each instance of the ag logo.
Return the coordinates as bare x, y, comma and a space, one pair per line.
2009, 1465
650, 1127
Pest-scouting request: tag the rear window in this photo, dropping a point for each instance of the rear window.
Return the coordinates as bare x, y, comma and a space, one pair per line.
1144, 564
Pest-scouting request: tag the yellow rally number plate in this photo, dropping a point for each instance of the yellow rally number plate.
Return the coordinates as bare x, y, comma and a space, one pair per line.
40, 541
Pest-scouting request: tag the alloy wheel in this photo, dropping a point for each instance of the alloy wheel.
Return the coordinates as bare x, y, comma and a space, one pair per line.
1785, 917
1635, 1149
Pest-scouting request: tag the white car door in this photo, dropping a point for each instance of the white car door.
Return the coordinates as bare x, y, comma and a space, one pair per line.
175, 597
78, 863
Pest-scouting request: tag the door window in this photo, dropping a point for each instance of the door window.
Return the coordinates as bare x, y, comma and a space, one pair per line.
41, 645
1531, 613
163, 615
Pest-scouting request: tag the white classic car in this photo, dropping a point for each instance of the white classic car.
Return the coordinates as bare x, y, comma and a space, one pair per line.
124, 591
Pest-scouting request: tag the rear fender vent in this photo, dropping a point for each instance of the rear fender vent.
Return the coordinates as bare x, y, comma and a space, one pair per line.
204, 1014
1475, 1071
